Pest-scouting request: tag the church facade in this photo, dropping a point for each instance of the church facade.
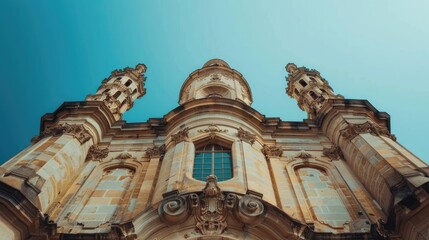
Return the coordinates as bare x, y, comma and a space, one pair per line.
215, 168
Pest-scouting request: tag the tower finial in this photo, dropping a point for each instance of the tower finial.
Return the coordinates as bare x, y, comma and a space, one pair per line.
139, 69
308, 88
121, 89
291, 68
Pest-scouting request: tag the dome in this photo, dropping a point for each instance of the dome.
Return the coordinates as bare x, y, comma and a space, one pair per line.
215, 79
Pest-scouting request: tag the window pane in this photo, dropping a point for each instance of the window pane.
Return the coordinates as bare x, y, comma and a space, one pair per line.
209, 156
218, 160
205, 177
217, 165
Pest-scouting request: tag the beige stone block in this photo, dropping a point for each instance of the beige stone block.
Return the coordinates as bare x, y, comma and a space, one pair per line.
114, 193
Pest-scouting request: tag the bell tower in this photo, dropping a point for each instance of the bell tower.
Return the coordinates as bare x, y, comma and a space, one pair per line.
309, 89
121, 89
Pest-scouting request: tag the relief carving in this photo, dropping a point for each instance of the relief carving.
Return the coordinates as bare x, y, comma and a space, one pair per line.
76, 130
250, 210
352, 130
212, 129
174, 210
95, 153
304, 155
246, 136
156, 151
124, 156
215, 77
180, 136
211, 209
334, 153
272, 151
138, 71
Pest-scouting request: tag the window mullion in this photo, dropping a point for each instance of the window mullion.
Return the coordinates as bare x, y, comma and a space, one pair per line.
213, 153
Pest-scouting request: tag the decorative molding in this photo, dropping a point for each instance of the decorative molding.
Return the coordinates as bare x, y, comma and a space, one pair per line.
334, 152
246, 136
95, 153
180, 136
124, 156
173, 210
76, 130
211, 208
156, 151
138, 71
212, 129
250, 210
215, 77
304, 155
352, 130
272, 151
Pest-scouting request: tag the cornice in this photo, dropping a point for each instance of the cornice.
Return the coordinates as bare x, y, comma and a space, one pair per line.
218, 105
95, 109
333, 106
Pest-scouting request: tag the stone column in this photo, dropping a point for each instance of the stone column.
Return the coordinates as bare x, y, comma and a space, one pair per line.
183, 155
255, 167
46, 169
147, 188
282, 184
386, 173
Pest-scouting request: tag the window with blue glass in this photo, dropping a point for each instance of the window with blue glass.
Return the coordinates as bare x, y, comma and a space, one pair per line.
212, 159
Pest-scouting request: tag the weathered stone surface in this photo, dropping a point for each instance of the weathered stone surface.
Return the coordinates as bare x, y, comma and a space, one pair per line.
283, 182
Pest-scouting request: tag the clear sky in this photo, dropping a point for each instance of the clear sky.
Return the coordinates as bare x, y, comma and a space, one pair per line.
56, 51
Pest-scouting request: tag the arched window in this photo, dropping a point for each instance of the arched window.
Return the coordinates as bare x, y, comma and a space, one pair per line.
128, 83
296, 91
117, 94
212, 159
322, 197
313, 95
303, 83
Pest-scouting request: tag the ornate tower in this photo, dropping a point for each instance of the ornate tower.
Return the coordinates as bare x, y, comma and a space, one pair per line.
121, 89
396, 179
309, 89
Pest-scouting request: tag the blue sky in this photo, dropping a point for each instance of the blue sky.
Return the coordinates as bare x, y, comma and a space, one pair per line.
56, 51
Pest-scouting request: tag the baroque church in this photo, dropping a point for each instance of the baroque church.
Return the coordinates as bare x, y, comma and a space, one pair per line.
215, 168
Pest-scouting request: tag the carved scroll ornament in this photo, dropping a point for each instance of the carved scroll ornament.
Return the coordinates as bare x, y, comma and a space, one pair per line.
246, 136
303, 155
124, 156
211, 208
352, 130
334, 152
272, 151
156, 151
95, 153
212, 129
76, 130
180, 136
